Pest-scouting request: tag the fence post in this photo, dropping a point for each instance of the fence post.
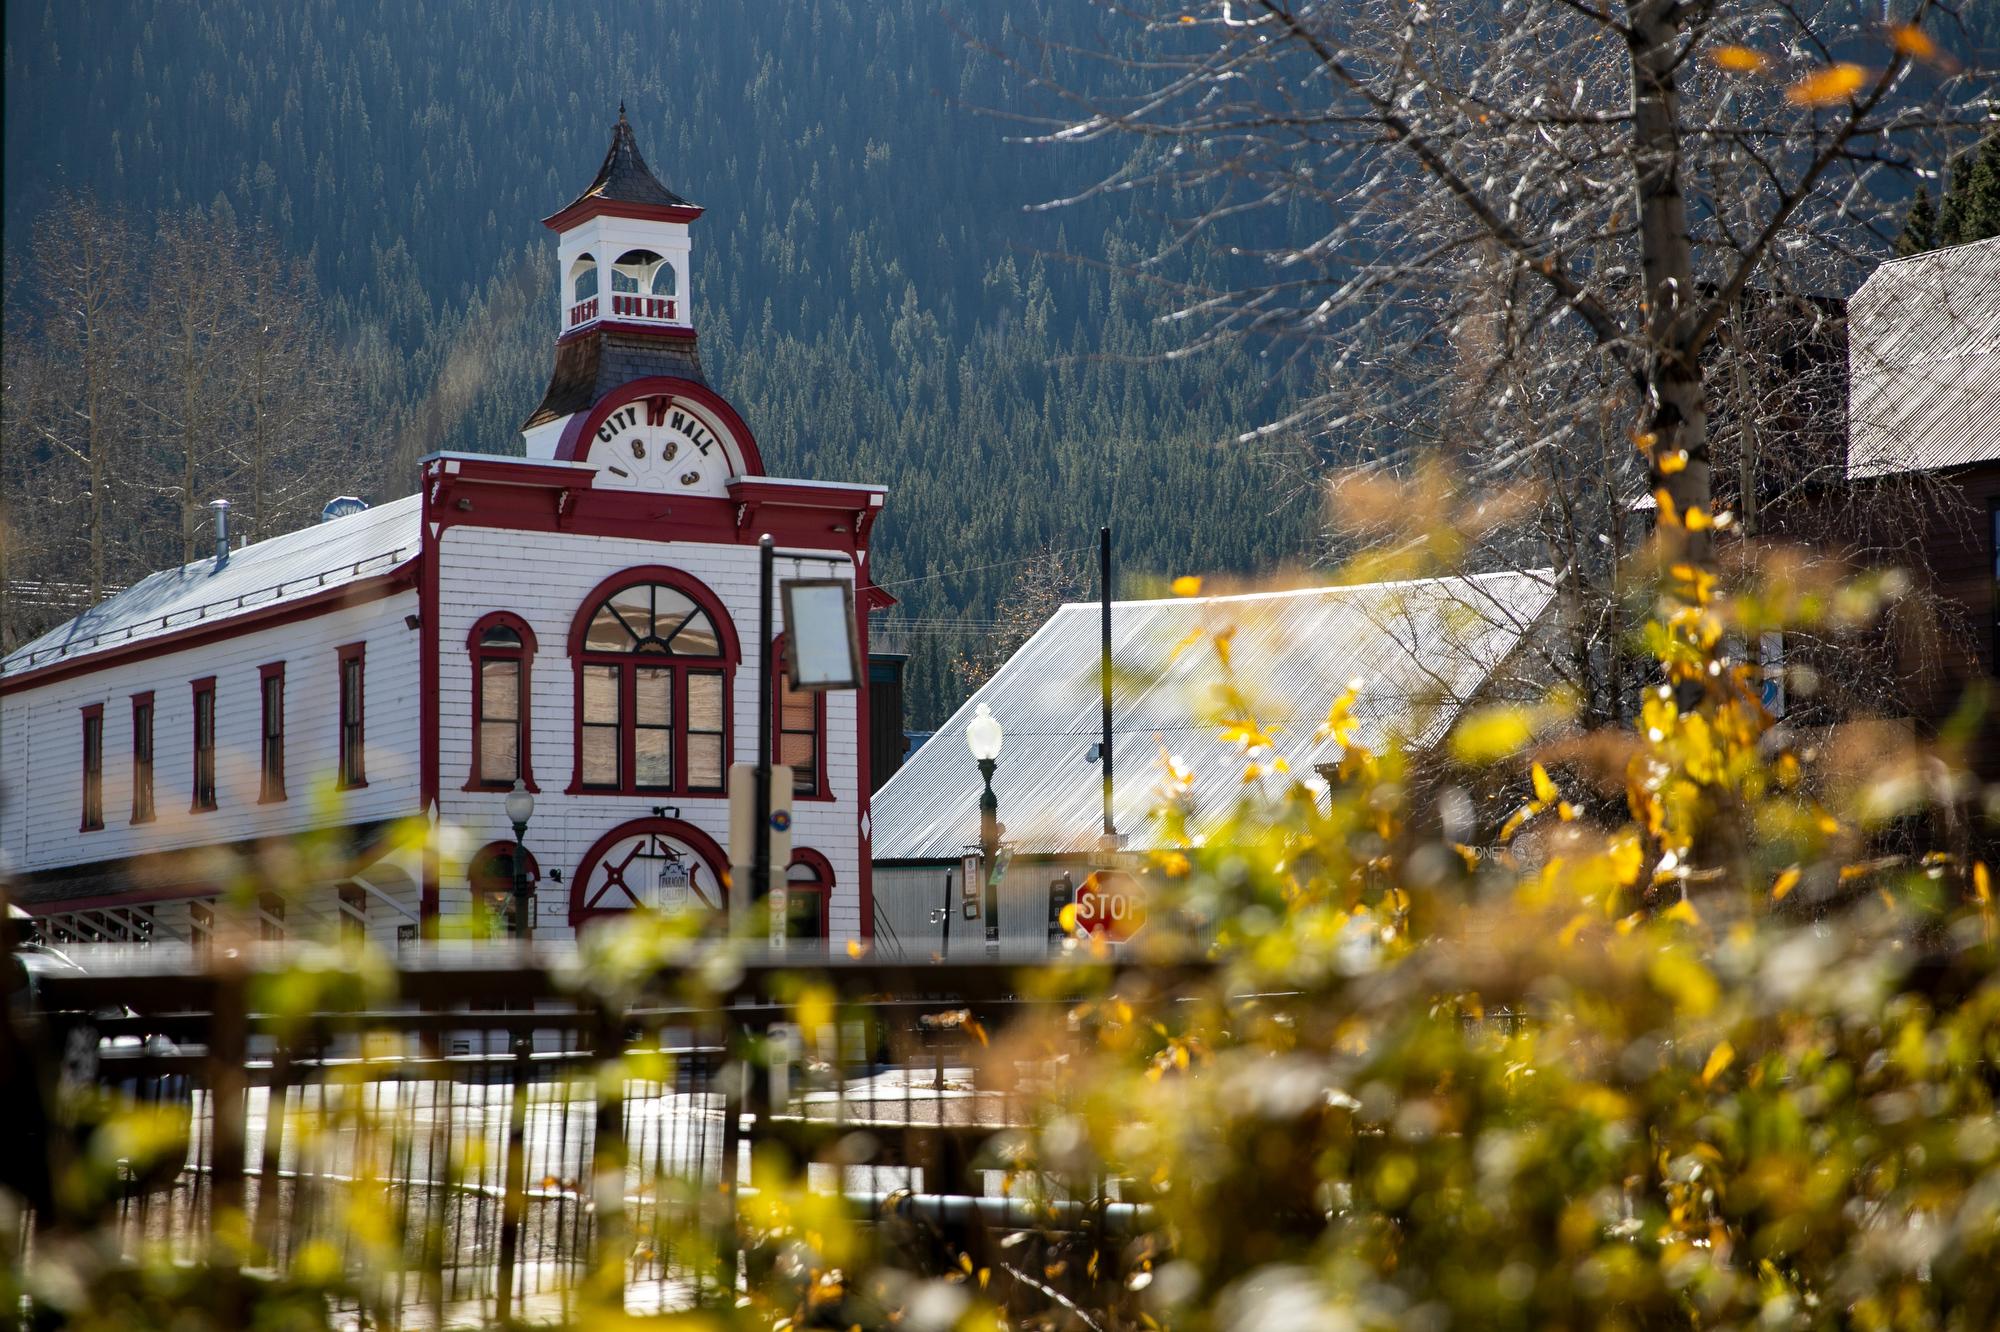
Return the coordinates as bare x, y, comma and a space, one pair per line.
266, 1228
228, 1087
515, 1205
605, 1287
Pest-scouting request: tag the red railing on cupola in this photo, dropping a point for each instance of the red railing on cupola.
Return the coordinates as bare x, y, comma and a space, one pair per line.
582, 312
645, 307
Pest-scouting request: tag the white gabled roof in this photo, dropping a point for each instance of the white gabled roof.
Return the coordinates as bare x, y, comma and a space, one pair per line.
1923, 353
1422, 649
284, 568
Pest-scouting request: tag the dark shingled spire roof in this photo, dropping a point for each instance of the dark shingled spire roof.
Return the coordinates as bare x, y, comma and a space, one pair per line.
625, 177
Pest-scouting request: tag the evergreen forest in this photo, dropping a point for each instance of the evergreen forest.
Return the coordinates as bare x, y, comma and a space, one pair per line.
873, 283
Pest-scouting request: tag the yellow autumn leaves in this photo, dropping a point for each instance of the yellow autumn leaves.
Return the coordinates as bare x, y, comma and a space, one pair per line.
1835, 82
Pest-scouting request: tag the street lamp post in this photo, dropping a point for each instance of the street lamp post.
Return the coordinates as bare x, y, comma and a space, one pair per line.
983, 737
521, 808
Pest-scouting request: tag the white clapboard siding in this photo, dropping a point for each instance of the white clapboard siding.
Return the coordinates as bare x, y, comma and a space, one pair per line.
545, 578
41, 741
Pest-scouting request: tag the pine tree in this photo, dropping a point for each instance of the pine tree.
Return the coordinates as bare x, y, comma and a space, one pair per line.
1972, 206
1919, 227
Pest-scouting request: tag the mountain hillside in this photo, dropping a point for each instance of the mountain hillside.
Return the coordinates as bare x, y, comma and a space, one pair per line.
870, 284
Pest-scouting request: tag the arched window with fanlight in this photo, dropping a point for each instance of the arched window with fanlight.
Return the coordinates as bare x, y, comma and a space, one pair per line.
654, 655
502, 650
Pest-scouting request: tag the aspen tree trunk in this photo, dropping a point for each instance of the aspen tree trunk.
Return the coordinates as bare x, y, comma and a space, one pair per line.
1675, 413
259, 450
190, 404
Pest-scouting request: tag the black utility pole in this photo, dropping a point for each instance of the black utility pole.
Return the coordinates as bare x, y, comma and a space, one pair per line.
1104, 666
760, 869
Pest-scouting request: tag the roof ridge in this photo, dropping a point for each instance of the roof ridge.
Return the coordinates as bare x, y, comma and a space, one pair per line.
1317, 590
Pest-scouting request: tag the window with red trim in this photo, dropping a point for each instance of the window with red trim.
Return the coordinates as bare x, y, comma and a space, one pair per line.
808, 890
503, 653
142, 757
271, 686
799, 732
490, 876
93, 768
653, 663
353, 765
204, 744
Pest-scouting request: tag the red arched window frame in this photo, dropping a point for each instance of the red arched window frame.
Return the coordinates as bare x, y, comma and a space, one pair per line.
478, 653
785, 705
696, 840
627, 663
820, 884
489, 874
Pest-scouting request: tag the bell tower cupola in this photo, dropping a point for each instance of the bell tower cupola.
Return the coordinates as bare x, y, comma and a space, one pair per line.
625, 299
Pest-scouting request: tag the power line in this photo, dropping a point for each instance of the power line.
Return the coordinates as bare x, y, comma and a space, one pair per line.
981, 568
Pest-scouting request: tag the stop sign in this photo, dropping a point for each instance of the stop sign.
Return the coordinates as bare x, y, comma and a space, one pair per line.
1111, 905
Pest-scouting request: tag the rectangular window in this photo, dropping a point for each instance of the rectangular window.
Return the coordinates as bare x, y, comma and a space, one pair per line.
142, 758
704, 729
598, 736
353, 748
798, 736
499, 720
271, 680
93, 767
204, 744
653, 727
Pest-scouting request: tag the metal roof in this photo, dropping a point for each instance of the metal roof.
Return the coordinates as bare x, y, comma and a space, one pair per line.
1924, 362
284, 568
1421, 649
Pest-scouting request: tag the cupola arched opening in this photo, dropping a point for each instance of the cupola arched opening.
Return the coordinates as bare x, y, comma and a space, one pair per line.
583, 277
636, 272
655, 658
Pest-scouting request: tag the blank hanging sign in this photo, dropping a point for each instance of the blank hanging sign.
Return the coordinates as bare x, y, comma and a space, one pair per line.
822, 642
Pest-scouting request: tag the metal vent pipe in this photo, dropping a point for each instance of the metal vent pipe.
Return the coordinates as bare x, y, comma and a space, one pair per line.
221, 510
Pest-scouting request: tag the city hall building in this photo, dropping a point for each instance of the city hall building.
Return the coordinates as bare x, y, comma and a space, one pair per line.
332, 720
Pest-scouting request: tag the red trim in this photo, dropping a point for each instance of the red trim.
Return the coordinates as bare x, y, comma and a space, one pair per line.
525, 655
196, 688
358, 653
429, 608
864, 795
356, 593
822, 790
92, 712
700, 841
592, 206
574, 446
581, 656
495, 847
144, 699
270, 778
822, 869
504, 846
777, 491
663, 332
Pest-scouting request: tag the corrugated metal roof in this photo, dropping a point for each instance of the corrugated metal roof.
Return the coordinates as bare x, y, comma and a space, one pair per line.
284, 568
1421, 648
1924, 362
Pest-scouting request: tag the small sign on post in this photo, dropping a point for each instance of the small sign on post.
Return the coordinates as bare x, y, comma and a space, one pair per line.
743, 838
